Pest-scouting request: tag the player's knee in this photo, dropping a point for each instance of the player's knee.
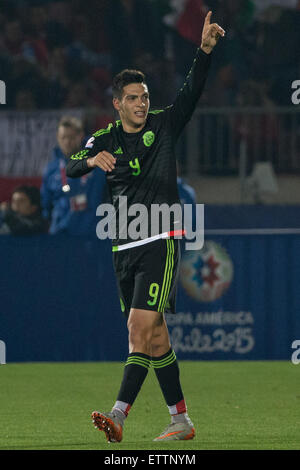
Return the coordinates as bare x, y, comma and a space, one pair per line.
140, 337
160, 345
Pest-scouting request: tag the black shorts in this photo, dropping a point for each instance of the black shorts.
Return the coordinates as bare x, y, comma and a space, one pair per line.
147, 276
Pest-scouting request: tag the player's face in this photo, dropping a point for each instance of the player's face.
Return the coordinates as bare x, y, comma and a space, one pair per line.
69, 140
133, 106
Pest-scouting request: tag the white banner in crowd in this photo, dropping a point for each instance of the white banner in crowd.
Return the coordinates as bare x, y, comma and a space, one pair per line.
27, 140
263, 4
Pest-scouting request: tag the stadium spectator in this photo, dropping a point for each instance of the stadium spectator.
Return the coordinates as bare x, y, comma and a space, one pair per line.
57, 76
27, 80
23, 215
222, 88
70, 205
37, 20
83, 45
277, 60
62, 43
136, 25
25, 100
78, 95
14, 41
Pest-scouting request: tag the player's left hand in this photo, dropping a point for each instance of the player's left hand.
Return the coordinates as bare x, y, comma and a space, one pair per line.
211, 33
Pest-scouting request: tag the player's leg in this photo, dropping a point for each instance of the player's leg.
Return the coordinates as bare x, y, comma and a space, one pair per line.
153, 270
166, 369
112, 422
141, 325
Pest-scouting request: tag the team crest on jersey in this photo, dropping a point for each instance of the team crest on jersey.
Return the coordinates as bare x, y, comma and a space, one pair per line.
148, 138
90, 143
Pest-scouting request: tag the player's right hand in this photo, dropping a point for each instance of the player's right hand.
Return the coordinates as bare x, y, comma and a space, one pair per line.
104, 160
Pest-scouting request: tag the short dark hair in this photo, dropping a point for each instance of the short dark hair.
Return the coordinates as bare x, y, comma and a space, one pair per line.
32, 192
124, 78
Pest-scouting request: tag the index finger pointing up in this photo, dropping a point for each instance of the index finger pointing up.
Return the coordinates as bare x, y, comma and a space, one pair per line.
207, 18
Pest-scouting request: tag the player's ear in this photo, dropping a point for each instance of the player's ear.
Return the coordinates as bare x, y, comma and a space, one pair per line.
116, 104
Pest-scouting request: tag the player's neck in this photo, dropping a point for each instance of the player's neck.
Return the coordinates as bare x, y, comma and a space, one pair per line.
130, 129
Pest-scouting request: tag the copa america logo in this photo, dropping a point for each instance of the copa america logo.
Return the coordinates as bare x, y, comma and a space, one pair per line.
207, 274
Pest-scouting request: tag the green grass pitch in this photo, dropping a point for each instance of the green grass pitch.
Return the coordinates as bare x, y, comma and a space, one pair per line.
234, 405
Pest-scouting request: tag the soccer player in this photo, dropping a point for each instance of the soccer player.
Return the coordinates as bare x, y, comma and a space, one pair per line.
137, 154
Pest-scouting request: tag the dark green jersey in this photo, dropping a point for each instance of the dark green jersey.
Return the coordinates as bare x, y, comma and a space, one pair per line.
145, 170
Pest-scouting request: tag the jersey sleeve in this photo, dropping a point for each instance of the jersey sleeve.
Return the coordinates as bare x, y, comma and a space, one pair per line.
77, 164
184, 105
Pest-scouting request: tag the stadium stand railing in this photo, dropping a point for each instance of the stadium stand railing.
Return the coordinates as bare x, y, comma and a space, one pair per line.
219, 140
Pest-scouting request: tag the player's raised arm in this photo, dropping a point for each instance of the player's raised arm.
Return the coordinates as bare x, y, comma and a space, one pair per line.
186, 100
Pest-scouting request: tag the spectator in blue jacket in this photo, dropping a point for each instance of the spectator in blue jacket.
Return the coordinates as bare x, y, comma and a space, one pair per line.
70, 204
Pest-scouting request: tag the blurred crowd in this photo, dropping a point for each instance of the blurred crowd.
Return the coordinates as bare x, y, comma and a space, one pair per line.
63, 54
